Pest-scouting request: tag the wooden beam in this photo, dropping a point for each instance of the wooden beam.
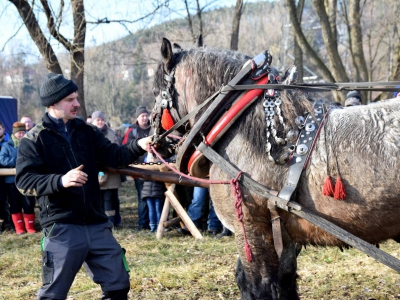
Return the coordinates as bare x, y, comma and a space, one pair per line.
158, 176
7, 172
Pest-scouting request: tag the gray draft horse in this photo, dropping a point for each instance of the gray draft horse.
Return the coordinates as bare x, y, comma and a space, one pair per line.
361, 144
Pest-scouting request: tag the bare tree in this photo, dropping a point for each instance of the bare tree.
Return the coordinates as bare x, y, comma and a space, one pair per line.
75, 45
298, 53
360, 34
196, 28
237, 14
76, 48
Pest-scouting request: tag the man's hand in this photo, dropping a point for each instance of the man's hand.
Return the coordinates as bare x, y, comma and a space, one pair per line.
75, 177
145, 142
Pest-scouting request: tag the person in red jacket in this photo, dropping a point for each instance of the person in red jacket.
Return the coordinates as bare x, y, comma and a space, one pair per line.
58, 162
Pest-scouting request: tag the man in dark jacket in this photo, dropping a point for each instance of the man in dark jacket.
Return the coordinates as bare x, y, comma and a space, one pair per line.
58, 162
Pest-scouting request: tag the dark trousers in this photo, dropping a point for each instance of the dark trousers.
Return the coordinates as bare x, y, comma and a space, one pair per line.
18, 201
112, 205
143, 211
4, 210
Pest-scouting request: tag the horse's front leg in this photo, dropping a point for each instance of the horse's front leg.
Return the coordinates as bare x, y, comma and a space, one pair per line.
266, 277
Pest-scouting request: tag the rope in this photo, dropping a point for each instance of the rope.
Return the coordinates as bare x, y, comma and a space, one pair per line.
188, 176
235, 190
239, 214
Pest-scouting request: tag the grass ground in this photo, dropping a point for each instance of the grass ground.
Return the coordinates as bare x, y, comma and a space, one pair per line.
179, 267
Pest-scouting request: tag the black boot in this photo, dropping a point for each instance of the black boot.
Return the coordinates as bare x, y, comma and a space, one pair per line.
225, 232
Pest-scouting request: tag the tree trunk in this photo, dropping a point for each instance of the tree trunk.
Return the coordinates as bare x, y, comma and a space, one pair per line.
78, 52
298, 54
305, 46
45, 49
237, 14
330, 41
357, 43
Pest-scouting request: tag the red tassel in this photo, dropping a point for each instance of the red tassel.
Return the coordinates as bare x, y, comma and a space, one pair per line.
340, 193
166, 120
249, 255
327, 189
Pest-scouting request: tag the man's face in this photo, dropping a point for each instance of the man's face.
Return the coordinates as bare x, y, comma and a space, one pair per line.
28, 122
65, 109
143, 120
99, 122
1, 131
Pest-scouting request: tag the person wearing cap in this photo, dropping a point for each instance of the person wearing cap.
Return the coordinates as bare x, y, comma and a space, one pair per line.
58, 162
17, 202
109, 183
353, 98
396, 94
141, 128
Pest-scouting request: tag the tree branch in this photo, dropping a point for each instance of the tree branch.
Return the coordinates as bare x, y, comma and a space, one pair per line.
45, 49
52, 27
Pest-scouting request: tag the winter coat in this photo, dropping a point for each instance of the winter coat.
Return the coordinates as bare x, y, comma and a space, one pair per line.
8, 157
155, 189
47, 152
108, 180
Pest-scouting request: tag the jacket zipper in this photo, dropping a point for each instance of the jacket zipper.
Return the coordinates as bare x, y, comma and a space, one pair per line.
77, 165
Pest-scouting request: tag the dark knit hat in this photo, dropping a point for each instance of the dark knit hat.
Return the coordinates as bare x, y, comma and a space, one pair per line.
55, 88
97, 115
353, 94
18, 126
141, 110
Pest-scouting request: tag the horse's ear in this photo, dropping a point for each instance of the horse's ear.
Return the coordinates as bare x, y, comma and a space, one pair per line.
199, 41
177, 46
166, 52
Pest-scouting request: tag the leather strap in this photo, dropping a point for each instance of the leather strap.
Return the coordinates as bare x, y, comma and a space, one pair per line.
276, 228
303, 147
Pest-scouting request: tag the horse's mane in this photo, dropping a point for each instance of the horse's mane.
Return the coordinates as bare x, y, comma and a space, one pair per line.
212, 68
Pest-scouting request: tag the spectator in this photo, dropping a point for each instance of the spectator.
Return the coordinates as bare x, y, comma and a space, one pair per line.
396, 94
109, 183
195, 211
335, 105
28, 125
58, 161
4, 136
89, 119
153, 194
141, 128
28, 122
353, 98
8, 157
4, 211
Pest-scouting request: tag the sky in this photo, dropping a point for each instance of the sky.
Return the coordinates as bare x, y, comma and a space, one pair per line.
15, 38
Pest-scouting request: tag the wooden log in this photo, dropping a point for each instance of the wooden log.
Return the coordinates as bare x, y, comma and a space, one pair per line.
183, 215
157, 176
172, 222
164, 214
7, 172
153, 167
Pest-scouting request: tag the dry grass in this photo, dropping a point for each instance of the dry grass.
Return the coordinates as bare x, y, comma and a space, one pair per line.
178, 267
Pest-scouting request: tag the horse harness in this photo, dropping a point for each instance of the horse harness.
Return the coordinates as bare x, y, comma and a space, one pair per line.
225, 109
228, 108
